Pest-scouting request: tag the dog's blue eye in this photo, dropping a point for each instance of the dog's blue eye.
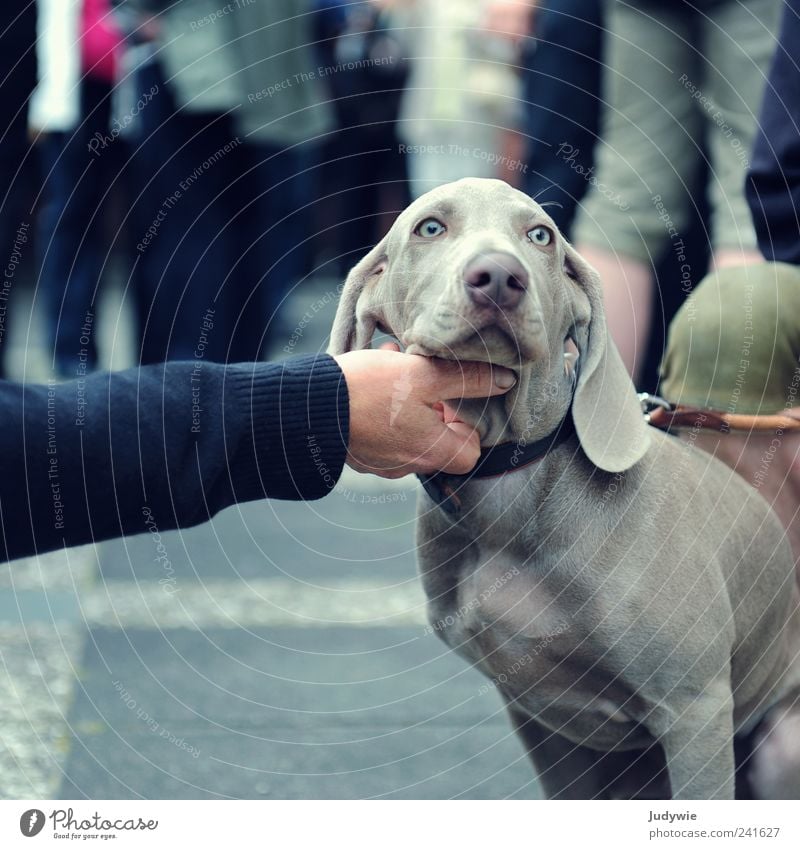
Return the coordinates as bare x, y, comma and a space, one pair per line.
429, 228
541, 236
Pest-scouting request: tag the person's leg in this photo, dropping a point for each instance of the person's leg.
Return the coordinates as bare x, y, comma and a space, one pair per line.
66, 244
562, 103
353, 168
628, 293
17, 47
739, 43
15, 223
269, 207
82, 229
639, 201
184, 162
734, 257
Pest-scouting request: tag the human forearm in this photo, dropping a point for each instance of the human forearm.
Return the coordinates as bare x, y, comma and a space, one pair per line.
85, 459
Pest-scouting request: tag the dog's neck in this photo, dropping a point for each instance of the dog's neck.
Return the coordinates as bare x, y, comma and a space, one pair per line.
528, 418
530, 411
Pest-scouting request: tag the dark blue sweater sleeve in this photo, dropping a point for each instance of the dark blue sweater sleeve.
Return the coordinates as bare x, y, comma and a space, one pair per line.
171, 444
773, 181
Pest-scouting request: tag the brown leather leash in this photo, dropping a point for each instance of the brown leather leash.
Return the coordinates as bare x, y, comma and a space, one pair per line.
507, 457
665, 416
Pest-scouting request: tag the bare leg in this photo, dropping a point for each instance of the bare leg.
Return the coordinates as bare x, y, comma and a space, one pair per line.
730, 258
628, 292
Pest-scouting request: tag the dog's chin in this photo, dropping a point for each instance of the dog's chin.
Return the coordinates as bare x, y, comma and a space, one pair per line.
491, 345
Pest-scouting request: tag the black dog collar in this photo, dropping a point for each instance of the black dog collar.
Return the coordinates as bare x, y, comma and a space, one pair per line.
498, 460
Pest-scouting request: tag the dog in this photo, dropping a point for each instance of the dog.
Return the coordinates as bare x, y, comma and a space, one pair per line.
632, 600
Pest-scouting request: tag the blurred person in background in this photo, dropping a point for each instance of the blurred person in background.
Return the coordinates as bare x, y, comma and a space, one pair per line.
735, 344
733, 347
561, 95
563, 72
463, 93
513, 20
225, 154
17, 81
81, 158
677, 76
363, 172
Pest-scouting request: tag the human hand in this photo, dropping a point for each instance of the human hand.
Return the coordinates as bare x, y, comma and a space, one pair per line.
398, 422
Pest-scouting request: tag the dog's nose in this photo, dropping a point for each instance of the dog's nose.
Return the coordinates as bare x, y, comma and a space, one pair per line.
495, 278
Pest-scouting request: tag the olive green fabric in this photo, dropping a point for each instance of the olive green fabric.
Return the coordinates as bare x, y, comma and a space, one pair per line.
734, 344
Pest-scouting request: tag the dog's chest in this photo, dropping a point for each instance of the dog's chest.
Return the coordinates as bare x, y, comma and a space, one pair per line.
528, 634
513, 607
499, 573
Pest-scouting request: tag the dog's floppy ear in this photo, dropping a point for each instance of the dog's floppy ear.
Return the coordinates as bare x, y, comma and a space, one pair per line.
607, 414
354, 324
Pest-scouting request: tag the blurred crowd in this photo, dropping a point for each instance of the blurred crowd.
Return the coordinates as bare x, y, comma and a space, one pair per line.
211, 157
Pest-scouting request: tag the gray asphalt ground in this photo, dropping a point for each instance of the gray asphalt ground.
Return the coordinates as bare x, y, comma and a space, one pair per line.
279, 652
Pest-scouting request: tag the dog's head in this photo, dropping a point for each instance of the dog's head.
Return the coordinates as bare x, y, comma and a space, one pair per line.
476, 270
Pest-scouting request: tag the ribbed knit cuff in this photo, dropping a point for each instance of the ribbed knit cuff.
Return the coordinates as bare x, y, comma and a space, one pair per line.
299, 413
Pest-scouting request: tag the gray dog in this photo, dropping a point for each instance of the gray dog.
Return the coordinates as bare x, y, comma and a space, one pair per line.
631, 598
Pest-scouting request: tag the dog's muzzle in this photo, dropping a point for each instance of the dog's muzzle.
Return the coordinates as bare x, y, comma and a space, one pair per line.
495, 280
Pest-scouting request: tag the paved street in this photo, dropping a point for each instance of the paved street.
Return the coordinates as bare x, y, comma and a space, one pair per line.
277, 652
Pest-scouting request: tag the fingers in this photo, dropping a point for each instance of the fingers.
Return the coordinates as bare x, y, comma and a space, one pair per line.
458, 448
468, 380
405, 392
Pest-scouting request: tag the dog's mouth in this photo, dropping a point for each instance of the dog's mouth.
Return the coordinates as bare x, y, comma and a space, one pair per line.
494, 345
497, 348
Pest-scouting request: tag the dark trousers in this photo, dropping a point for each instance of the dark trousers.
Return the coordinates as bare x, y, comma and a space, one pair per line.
15, 219
73, 240
220, 232
562, 103
17, 172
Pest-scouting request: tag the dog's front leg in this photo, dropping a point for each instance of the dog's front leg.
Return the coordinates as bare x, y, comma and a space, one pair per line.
697, 737
442, 550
